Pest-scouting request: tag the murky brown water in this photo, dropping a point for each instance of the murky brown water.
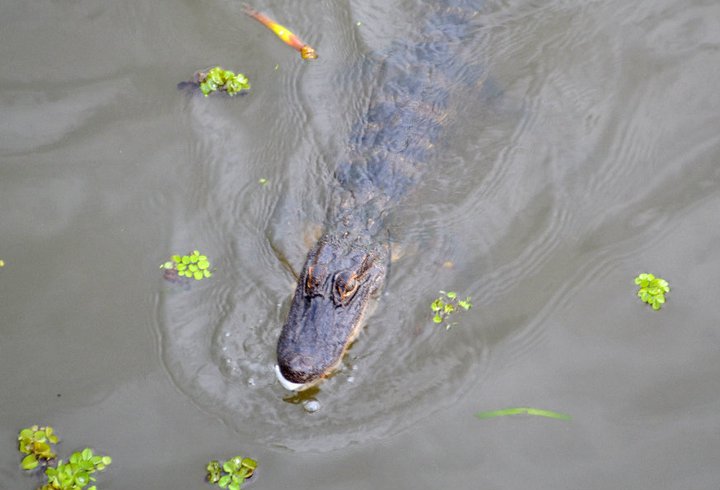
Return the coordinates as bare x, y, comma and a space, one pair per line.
591, 155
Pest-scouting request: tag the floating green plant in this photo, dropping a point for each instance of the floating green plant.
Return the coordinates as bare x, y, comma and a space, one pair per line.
652, 290
232, 473
446, 304
36, 442
193, 265
217, 79
77, 473
523, 411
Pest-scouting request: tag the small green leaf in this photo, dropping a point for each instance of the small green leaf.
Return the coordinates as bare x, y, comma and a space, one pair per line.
451, 294
29, 462
198, 275
249, 463
42, 449
223, 482
437, 318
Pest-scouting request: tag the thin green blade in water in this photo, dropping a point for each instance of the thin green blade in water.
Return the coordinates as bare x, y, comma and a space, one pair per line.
523, 411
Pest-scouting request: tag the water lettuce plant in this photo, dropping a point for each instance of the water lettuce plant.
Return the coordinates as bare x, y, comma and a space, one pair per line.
232, 473
217, 79
193, 265
36, 442
446, 304
77, 473
652, 290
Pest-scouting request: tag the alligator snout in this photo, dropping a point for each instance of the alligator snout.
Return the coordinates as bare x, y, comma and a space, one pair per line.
328, 307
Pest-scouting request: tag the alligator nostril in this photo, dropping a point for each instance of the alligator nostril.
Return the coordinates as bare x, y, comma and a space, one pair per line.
299, 368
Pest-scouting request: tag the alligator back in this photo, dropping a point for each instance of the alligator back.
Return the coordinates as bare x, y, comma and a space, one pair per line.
390, 146
387, 155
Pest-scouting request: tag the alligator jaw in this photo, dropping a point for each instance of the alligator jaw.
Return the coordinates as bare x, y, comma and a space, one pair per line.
289, 385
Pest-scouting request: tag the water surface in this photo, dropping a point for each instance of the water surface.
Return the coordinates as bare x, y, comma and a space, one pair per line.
588, 155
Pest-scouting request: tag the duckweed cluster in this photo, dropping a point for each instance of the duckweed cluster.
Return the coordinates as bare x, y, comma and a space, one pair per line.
652, 290
219, 80
232, 473
193, 265
36, 442
77, 473
446, 304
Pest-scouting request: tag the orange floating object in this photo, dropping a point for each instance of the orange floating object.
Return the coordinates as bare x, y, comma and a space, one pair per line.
306, 52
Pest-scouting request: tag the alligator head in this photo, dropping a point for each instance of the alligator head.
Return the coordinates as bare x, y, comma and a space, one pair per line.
340, 276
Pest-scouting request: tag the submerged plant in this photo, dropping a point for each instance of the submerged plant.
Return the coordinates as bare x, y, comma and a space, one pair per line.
36, 442
446, 304
217, 79
539, 412
652, 290
193, 265
232, 473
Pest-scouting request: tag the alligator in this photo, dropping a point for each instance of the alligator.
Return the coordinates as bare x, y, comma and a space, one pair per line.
388, 153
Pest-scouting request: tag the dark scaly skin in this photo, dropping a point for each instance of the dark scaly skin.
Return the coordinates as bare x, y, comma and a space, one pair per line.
388, 154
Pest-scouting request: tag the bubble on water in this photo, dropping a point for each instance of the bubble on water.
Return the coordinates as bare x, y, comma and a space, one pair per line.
311, 406
229, 367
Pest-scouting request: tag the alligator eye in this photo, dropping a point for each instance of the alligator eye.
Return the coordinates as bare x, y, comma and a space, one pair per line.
345, 287
310, 281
